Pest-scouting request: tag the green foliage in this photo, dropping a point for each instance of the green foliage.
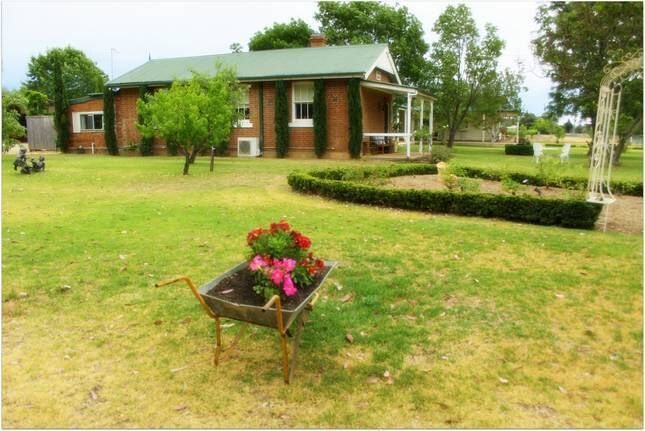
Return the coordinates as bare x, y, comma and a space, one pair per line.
462, 65
79, 75
547, 168
147, 142
469, 185
281, 119
373, 22
320, 118
355, 112
37, 102
13, 105
61, 107
441, 153
294, 34
108, 122
449, 180
562, 212
509, 185
193, 114
521, 149
633, 188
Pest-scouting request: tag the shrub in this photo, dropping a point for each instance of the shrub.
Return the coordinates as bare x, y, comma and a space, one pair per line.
468, 185
518, 149
451, 181
281, 119
509, 185
145, 146
440, 154
563, 212
320, 118
355, 113
632, 188
108, 122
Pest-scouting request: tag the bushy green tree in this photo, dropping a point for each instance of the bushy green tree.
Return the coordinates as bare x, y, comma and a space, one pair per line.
63, 74
281, 119
14, 105
462, 65
109, 132
193, 114
294, 34
145, 146
320, 118
577, 41
37, 102
373, 22
355, 112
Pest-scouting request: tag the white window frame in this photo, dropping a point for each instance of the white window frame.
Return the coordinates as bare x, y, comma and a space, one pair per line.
77, 123
300, 122
245, 123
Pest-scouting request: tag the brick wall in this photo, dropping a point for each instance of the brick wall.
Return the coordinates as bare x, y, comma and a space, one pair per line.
125, 117
373, 103
85, 139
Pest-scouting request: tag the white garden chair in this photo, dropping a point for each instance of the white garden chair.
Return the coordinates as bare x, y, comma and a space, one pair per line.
564, 155
538, 151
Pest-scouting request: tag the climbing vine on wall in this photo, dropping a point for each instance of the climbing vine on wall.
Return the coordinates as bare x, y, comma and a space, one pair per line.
355, 112
320, 118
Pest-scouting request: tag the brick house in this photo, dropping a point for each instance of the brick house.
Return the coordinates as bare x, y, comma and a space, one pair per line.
258, 71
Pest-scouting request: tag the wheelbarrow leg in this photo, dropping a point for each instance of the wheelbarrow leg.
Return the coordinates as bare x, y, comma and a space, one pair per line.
296, 342
218, 341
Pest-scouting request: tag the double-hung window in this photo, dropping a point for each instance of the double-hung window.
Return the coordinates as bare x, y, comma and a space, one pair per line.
243, 110
303, 104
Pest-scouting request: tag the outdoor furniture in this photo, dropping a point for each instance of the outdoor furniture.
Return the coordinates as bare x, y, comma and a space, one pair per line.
538, 151
385, 142
564, 155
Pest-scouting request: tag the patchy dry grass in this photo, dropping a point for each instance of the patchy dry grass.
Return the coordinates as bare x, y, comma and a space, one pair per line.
479, 323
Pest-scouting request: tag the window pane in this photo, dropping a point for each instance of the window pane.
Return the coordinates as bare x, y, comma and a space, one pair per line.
310, 110
86, 122
98, 121
303, 92
298, 110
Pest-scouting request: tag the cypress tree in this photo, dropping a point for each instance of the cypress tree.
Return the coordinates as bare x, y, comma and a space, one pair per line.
320, 118
355, 112
281, 119
61, 121
108, 122
145, 146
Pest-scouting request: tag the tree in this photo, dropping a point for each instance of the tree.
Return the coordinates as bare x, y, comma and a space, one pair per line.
14, 105
372, 22
462, 65
108, 122
37, 102
194, 114
294, 34
568, 126
577, 41
281, 119
63, 74
320, 118
147, 142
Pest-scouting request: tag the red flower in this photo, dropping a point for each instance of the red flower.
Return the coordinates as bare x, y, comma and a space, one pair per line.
302, 241
253, 235
320, 264
281, 225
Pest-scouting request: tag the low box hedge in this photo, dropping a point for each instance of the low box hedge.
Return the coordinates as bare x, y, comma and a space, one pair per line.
333, 183
518, 150
632, 188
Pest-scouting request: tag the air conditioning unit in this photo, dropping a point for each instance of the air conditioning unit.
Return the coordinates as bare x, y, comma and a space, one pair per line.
248, 147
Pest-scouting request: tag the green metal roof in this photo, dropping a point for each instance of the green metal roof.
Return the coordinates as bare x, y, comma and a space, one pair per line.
353, 60
90, 96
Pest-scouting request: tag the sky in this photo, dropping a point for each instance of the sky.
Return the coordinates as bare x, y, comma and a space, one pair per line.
120, 35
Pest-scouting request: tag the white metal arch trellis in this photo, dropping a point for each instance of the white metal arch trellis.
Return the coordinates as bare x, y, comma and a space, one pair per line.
604, 138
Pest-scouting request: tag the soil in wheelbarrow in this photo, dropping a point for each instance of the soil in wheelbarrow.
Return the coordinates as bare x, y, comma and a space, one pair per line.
238, 288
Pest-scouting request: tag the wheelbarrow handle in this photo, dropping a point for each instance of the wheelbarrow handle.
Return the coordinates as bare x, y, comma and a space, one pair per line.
190, 284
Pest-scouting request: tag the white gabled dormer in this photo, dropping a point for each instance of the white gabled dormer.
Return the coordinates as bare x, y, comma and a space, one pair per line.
385, 62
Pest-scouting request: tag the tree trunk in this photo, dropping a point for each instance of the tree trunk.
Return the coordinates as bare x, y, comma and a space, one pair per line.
187, 164
193, 155
451, 137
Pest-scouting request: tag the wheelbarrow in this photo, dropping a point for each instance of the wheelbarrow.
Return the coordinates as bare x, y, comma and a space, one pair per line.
271, 315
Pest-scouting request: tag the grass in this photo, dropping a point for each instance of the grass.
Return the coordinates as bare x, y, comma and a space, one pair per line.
481, 323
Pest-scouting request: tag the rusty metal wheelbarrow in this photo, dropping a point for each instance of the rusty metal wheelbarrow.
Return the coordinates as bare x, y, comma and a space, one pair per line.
280, 319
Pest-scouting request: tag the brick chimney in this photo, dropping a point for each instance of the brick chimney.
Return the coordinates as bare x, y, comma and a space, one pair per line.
317, 40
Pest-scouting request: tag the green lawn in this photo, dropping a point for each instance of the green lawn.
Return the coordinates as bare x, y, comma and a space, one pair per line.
481, 323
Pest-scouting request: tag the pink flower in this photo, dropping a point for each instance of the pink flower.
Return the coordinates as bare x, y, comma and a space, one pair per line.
277, 276
256, 263
288, 264
288, 287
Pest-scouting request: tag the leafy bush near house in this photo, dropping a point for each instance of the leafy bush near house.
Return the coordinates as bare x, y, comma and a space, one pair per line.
281, 119
355, 113
440, 154
145, 146
329, 183
633, 188
320, 118
108, 122
518, 149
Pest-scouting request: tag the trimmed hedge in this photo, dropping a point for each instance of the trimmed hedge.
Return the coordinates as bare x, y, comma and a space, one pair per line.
632, 188
332, 183
518, 150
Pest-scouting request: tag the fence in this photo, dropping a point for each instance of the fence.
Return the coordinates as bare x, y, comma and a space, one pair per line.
41, 134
